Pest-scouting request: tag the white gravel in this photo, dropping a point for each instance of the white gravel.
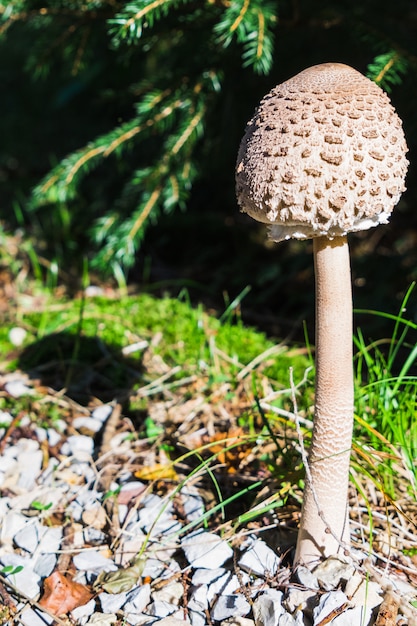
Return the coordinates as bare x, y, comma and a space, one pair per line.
197, 577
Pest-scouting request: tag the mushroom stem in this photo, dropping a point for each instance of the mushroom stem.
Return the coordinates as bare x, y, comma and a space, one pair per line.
324, 519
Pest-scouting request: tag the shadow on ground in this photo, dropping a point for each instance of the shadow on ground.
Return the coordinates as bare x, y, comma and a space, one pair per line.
82, 367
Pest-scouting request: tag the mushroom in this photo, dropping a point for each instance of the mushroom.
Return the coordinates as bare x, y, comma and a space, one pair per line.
324, 155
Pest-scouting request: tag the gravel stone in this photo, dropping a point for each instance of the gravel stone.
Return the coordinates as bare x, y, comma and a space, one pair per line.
53, 437
94, 516
29, 617
36, 537
12, 523
228, 606
154, 568
138, 599
198, 600
7, 464
25, 580
307, 578
197, 619
17, 389
93, 537
93, 561
172, 593
102, 412
149, 522
328, 603
112, 602
80, 446
160, 609
45, 564
299, 598
128, 548
363, 592
206, 550
224, 585
84, 611
267, 608
87, 423
202, 576
17, 335
259, 558
5, 418
172, 621
332, 571
155, 516
193, 504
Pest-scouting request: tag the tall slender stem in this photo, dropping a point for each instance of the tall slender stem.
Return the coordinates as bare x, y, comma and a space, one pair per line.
324, 527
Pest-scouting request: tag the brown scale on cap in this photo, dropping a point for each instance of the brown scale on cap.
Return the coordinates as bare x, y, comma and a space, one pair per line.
323, 155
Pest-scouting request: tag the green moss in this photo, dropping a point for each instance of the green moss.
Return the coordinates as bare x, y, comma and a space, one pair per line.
75, 332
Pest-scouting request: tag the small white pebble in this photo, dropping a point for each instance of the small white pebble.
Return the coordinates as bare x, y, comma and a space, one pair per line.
29, 617
80, 446
17, 335
229, 606
83, 611
328, 602
25, 580
138, 599
102, 412
198, 600
259, 558
172, 593
45, 565
5, 418
92, 291
17, 389
93, 561
53, 436
160, 609
206, 550
88, 423
112, 602
267, 608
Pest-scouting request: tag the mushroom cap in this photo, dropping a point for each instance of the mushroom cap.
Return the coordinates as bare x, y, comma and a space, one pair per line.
323, 155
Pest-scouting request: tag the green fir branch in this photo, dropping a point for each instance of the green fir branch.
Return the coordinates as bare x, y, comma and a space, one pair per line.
61, 184
150, 159
128, 24
251, 23
155, 189
387, 69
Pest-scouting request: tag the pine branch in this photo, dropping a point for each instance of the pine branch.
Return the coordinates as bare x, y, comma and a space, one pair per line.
251, 23
387, 69
169, 118
61, 183
128, 24
159, 187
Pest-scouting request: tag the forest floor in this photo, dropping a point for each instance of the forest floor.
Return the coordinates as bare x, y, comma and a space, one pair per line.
174, 497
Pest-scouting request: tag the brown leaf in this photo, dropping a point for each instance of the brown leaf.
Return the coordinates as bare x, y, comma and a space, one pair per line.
122, 579
61, 595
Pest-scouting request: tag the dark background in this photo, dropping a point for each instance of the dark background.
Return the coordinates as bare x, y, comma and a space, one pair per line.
210, 249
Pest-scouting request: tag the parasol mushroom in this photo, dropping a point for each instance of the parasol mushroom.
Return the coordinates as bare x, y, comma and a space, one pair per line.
324, 155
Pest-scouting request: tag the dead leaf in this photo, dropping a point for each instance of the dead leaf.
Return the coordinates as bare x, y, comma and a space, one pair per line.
61, 595
158, 471
122, 579
231, 448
